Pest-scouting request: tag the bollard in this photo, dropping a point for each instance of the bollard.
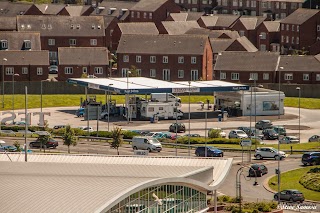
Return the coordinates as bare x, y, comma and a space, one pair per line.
291, 150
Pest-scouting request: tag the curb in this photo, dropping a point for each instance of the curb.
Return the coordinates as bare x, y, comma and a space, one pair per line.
266, 186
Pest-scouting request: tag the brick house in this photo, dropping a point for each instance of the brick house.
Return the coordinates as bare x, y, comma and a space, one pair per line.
268, 35
134, 28
177, 27
301, 31
75, 61
185, 16
245, 65
110, 23
24, 63
153, 11
13, 40
166, 57
197, 6
76, 10
44, 9
64, 31
218, 21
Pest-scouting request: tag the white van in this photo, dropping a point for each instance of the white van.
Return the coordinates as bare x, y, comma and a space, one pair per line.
165, 97
146, 143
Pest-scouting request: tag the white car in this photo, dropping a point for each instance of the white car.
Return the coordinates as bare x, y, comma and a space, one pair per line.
86, 128
269, 152
237, 134
222, 133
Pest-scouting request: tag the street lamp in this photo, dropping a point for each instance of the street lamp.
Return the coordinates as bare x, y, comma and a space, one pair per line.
13, 74
108, 101
127, 95
279, 73
3, 60
250, 119
42, 92
255, 105
189, 122
298, 88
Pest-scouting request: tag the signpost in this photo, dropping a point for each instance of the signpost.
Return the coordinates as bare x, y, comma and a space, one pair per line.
245, 143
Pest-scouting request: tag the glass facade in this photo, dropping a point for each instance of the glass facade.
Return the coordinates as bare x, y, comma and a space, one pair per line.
161, 199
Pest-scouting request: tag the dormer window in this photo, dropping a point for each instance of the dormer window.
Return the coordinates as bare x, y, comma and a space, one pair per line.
27, 44
4, 44
43, 26
49, 26
99, 27
22, 26
28, 26
93, 26
78, 26
72, 26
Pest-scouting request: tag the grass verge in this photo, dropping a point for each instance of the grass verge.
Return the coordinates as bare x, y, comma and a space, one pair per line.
290, 180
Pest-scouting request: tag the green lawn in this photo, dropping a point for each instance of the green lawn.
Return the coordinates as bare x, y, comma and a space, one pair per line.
290, 180
307, 103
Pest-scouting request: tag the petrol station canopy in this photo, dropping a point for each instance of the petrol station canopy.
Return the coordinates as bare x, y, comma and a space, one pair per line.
142, 85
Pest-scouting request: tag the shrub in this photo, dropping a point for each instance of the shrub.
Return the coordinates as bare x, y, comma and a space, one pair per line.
214, 133
224, 198
314, 170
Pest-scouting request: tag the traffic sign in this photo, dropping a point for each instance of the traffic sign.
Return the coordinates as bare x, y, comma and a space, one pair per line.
246, 143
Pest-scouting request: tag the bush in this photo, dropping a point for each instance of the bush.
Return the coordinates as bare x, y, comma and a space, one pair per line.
214, 133
314, 170
224, 198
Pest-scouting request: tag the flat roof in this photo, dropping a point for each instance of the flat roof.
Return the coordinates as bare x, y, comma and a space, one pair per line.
142, 85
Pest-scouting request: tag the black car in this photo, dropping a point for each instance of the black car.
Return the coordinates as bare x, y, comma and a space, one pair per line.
211, 151
263, 124
270, 134
311, 158
257, 170
291, 195
179, 126
51, 143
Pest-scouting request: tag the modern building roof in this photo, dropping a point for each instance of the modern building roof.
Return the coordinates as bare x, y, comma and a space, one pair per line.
252, 22
97, 183
83, 55
299, 16
214, 33
20, 57
307, 63
63, 25
272, 26
16, 39
139, 28
219, 20
247, 61
179, 27
162, 44
142, 85
148, 5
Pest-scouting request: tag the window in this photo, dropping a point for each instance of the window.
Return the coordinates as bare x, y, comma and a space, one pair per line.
283, 15
24, 70
124, 72
235, 3
263, 47
224, 2
248, 3
288, 76
165, 59
39, 71
317, 77
193, 60
51, 42
84, 69
98, 70
4, 44
52, 55
264, 4
166, 75
153, 73
240, 3
254, 76
282, 26
265, 76
144, 15
277, 5
194, 75
152, 59
93, 42
138, 58
283, 5
318, 27
68, 70
234, 76
125, 58
297, 40
282, 38
263, 35
180, 59
288, 27
241, 32
194, 1
292, 28
9, 70
253, 4
223, 75
287, 39
111, 31
139, 72
150, 15
306, 77
138, 14
180, 73
292, 40
72, 42
132, 14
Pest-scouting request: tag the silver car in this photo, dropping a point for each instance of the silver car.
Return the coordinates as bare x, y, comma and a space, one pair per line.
237, 134
289, 139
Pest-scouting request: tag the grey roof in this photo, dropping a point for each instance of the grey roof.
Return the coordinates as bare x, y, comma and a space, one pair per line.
317, 57
219, 20
96, 183
63, 25
272, 26
83, 55
148, 5
117, 6
214, 33
108, 20
76, 10
179, 27
20, 57
252, 22
8, 23
12, 9
247, 61
16, 39
219, 45
50, 9
305, 63
162, 44
186, 16
299, 16
137, 28
246, 43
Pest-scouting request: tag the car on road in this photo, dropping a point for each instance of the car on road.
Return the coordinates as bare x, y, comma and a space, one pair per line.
269, 152
211, 151
292, 195
289, 139
263, 124
311, 158
314, 138
257, 170
237, 133
51, 143
179, 127
270, 134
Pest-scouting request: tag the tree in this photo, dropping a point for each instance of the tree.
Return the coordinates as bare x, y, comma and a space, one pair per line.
117, 138
134, 71
69, 137
17, 145
43, 139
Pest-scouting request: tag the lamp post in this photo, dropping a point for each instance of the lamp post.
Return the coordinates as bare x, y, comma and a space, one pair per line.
189, 151
42, 92
108, 101
13, 74
127, 95
279, 73
3, 60
255, 106
299, 90
250, 119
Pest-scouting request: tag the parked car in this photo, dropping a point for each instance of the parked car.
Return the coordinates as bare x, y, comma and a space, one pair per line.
9, 148
237, 134
211, 151
192, 135
311, 158
269, 152
180, 127
141, 132
86, 128
146, 143
280, 130
314, 138
289, 139
252, 132
291, 195
222, 133
59, 127
270, 134
257, 170
53, 69
263, 124
80, 112
51, 143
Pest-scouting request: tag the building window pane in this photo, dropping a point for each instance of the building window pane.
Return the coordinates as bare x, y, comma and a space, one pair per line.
93, 42
234, 76
317, 77
165, 59
180, 73
51, 42
306, 77
84, 69
180, 59
68, 70
152, 73
72, 42
138, 58
125, 58
194, 75
98, 70
288, 76
193, 60
254, 76
152, 59
9, 70
265, 76
223, 75
24, 70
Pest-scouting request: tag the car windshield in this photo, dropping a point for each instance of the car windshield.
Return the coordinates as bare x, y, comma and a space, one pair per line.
274, 149
240, 132
154, 141
255, 166
212, 148
296, 192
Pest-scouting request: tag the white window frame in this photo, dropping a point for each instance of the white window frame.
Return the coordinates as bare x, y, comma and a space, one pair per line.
287, 39
317, 77
223, 75
292, 28
150, 15
144, 15
193, 60
132, 14
263, 35
68, 70
282, 38
254, 76
263, 47
153, 59
165, 59
85, 70
292, 40
306, 76
240, 3
235, 3
277, 5
138, 14
98, 70
124, 72
139, 72
194, 75
93, 42
235, 76
9, 70
287, 27
138, 58
153, 73
72, 42
253, 3
297, 40
318, 27
298, 28
180, 73
266, 76
39, 71
181, 59
4, 44
125, 58
24, 70
166, 74
288, 76
51, 42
